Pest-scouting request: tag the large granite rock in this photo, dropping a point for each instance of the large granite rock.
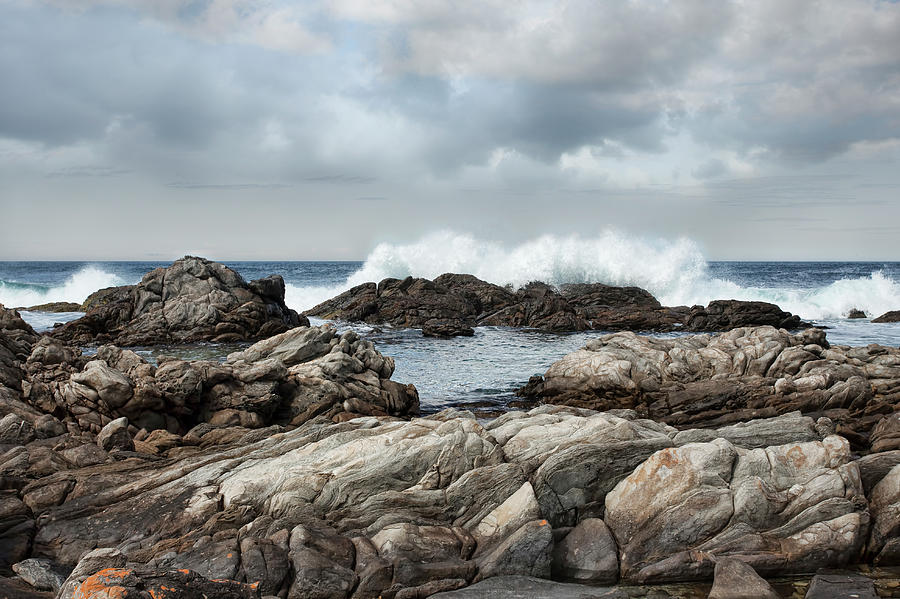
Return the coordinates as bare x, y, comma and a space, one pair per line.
740, 375
782, 509
192, 300
453, 303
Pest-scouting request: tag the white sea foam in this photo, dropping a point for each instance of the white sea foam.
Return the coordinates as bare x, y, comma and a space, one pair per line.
676, 272
75, 289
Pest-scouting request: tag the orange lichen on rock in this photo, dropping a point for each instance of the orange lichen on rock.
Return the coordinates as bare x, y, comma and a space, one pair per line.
102, 585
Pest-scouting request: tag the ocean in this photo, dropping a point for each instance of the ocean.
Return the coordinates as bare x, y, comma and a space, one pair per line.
484, 370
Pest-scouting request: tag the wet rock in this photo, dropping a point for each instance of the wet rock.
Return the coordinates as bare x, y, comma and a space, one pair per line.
55, 307
517, 587
841, 586
892, 316
735, 579
192, 300
587, 554
856, 313
115, 435
40, 573
453, 303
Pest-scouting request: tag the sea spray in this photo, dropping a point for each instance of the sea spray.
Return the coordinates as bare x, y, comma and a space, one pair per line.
675, 272
75, 289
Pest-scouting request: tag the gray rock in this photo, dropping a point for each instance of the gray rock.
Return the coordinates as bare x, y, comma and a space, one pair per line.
735, 579
90, 563
875, 466
884, 505
40, 573
317, 577
587, 554
115, 435
841, 586
524, 587
526, 552
14, 430
782, 509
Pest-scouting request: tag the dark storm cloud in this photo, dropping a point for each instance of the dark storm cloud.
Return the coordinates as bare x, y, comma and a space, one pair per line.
643, 105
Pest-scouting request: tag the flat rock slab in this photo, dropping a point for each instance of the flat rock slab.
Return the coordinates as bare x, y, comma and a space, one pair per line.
841, 586
525, 587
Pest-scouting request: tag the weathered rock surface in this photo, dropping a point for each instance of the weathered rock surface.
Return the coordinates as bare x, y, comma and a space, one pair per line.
285, 379
55, 307
587, 554
884, 504
781, 509
525, 587
453, 303
734, 579
892, 316
841, 586
192, 300
180, 584
740, 375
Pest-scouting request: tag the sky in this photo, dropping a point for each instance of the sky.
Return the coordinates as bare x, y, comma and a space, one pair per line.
237, 129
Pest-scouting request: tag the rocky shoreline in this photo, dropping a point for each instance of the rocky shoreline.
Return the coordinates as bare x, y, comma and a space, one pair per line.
453, 303
297, 468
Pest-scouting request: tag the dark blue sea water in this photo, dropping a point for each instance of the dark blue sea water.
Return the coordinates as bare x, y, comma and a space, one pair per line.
491, 365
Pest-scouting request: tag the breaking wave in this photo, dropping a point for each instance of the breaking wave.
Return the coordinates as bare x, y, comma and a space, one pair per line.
75, 289
675, 272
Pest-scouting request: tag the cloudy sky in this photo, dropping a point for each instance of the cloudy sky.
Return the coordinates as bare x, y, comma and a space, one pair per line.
146, 129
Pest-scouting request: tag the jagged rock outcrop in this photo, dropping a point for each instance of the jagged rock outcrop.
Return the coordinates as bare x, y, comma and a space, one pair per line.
192, 300
283, 380
453, 303
744, 374
378, 506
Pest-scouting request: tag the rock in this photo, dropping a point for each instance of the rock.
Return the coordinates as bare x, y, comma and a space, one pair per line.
526, 552
115, 436
735, 579
711, 381
587, 554
105, 296
892, 316
875, 466
126, 582
884, 505
840, 586
521, 507
723, 315
16, 588
14, 430
453, 303
40, 573
518, 587
91, 562
782, 509
55, 307
856, 313
886, 434
437, 328
16, 530
317, 577
192, 300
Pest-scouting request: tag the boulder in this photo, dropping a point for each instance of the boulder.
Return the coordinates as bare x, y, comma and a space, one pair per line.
127, 582
840, 586
115, 435
40, 573
526, 552
734, 579
782, 509
884, 505
886, 434
517, 587
192, 300
588, 553
856, 314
